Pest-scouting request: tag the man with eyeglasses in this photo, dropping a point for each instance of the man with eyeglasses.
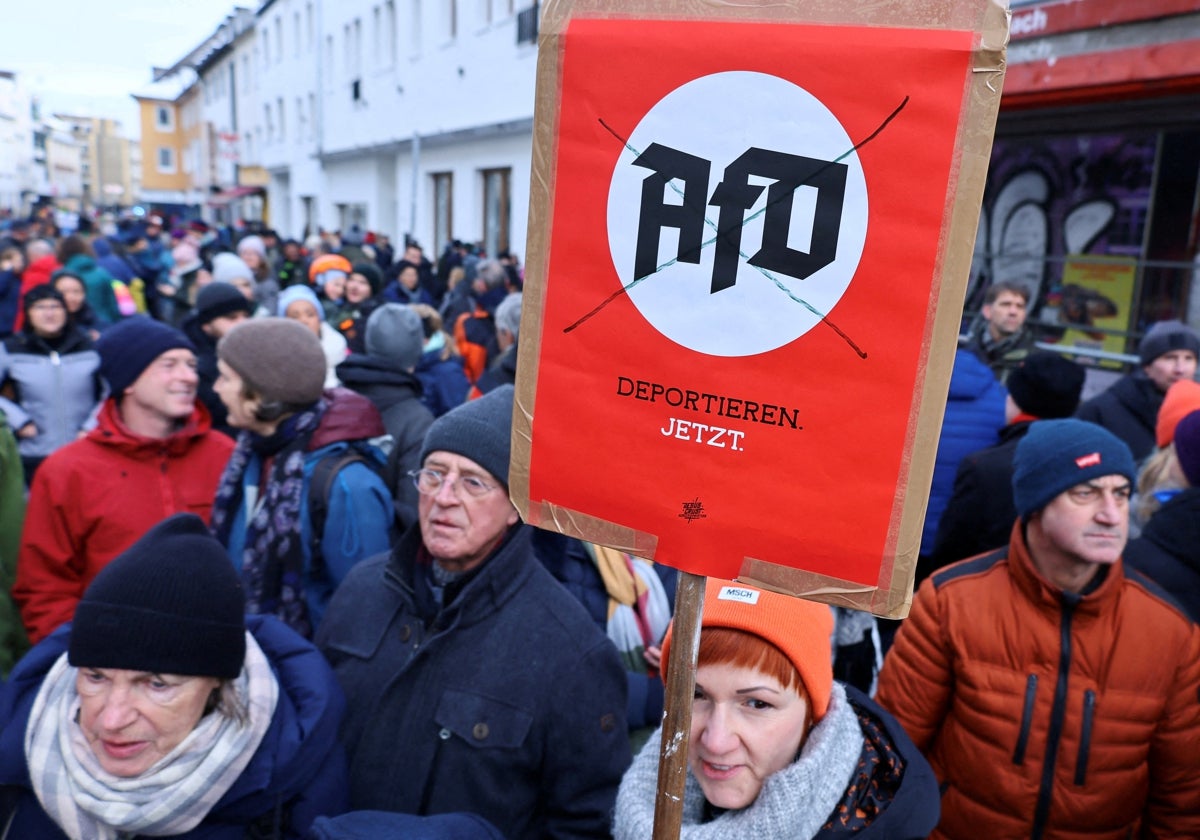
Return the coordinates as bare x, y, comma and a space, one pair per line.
474, 681
1052, 688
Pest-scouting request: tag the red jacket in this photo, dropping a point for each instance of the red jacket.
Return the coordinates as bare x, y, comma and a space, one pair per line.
94, 497
1078, 713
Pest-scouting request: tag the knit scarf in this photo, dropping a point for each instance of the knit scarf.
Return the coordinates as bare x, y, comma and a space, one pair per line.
638, 608
172, 797
796, 802
273, 551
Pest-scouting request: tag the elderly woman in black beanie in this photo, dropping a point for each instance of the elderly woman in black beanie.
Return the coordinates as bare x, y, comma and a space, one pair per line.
162, 712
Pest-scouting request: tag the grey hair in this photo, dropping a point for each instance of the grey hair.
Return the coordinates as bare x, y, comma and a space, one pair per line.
38, 248
226, 702
491, 273
508, 314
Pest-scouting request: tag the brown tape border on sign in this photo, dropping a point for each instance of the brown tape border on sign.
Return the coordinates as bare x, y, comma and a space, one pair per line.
891, 596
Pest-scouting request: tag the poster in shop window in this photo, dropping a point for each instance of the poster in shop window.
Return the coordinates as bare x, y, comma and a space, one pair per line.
750, 233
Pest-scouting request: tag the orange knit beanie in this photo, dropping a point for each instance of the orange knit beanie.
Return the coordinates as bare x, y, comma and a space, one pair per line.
800, 629
1183, 397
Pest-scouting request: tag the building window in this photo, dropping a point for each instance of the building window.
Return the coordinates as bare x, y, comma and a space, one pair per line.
527, 25
389, 32
443, 208
449, 20
358, 48
496, 209
296, 35
282, 119
164, 118
166, 159
278, 39
266, 49
414, 29
377, 36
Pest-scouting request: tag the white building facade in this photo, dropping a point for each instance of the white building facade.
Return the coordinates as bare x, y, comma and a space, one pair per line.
18, 174
408, 117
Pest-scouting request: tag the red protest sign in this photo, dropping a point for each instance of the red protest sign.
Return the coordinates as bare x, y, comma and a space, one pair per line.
740, 306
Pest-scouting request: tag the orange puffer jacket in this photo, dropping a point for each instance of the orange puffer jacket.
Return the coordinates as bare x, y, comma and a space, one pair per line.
1047, 714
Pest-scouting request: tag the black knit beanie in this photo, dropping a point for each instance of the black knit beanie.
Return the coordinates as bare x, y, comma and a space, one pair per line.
217, 299
128, 347
171, 603
372, 273
280, 359
1165, 336
42, 291
480, 430
1046, 385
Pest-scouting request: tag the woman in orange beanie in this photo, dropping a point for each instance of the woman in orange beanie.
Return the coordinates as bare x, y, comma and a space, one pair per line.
778, 748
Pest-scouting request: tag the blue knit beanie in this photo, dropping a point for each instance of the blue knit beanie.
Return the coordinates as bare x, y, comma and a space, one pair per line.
1055, 455
128, 347
480, 430
298, 292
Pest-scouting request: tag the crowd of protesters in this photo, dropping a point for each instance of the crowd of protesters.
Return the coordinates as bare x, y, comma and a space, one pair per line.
266, 579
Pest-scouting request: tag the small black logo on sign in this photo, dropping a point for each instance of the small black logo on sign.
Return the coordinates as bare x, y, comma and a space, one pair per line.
693, 510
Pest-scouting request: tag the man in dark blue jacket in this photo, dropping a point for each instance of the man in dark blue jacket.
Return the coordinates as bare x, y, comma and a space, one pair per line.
475, 682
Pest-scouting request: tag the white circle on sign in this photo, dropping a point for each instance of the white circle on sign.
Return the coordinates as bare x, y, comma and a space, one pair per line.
719, 119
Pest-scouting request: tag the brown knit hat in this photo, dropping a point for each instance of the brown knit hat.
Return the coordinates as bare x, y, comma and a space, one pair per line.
280, 359
800, 629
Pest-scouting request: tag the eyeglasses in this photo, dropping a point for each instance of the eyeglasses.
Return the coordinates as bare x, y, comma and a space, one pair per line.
46, 307
429, 482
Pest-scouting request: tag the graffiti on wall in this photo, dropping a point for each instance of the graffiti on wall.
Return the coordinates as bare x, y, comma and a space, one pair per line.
1066, 218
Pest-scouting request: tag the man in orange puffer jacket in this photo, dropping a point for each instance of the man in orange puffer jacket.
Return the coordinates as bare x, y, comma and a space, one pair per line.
1054, 690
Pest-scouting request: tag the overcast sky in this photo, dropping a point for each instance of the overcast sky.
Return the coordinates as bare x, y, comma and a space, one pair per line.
88, 56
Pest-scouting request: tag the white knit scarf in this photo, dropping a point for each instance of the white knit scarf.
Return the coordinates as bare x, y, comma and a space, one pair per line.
170, 798
795, 802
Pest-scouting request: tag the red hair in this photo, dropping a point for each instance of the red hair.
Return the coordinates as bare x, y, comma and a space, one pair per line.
726, 646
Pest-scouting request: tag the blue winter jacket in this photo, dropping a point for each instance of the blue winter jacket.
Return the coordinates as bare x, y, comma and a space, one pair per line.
444, 384
360, 512
297, 774
374, 825
10, 300
973, 420
507, 702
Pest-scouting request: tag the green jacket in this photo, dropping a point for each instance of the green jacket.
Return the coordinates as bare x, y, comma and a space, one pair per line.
12, 515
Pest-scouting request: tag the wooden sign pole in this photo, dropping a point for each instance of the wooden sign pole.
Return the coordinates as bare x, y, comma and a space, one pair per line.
677, 719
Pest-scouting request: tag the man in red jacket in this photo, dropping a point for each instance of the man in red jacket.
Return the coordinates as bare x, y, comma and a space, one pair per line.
152, 454
1054, 690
